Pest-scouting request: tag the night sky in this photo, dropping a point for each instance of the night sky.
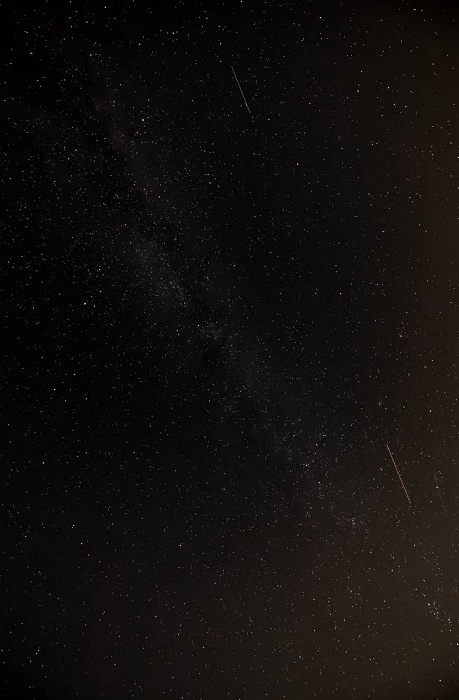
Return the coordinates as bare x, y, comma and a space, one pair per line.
230, 280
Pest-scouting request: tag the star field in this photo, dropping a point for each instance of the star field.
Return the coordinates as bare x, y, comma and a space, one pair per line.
229, 280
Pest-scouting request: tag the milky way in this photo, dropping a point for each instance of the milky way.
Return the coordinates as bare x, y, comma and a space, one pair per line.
230, 283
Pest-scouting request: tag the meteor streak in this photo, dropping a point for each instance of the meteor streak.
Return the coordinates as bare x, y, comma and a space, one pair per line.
399, 475
239, 86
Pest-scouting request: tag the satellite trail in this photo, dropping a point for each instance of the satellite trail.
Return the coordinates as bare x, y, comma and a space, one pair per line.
399, 475
76, 241
439, 493
239, 86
